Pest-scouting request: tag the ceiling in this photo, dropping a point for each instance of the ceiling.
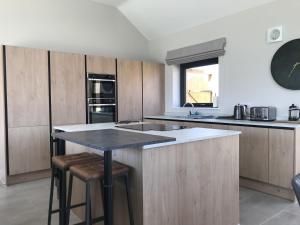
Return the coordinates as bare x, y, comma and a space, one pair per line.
114, 3
158, 18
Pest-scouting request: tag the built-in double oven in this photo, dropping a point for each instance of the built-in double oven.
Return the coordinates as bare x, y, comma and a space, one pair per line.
101, 98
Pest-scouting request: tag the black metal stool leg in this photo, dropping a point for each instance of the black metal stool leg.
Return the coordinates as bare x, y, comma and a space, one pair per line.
62, 198
130, 211
102, 193
51, 196
68, 207
88, 205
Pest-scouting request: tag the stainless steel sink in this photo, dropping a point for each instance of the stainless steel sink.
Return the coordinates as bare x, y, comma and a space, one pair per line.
195, 117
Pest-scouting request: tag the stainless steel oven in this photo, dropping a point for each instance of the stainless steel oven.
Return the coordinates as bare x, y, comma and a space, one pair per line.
101, 110
101, 85
101, 98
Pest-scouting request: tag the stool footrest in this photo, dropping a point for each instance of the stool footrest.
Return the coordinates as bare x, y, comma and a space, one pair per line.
78, 205
73, 206
96, 220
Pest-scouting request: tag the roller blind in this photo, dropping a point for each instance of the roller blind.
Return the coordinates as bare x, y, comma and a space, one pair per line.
207, 50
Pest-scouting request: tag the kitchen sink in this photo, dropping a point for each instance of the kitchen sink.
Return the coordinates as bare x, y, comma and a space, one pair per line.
195, 117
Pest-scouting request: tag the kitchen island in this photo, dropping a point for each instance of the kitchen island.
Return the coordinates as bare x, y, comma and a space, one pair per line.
193, 180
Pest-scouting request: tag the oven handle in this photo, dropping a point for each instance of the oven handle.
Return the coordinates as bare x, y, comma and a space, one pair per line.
91, 105
95, 79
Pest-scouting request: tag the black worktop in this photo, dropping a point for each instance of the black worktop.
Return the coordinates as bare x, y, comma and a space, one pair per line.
111, 139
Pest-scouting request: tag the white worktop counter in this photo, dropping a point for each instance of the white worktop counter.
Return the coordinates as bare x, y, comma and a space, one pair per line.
270, 124
182, 136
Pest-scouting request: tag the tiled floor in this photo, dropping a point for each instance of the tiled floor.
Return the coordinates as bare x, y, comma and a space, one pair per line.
27, 204
261, 209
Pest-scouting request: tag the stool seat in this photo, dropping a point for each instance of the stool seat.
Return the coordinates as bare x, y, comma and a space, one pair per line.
95, 170
66, 161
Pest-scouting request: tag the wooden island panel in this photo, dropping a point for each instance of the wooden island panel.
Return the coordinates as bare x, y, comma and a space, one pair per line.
203, 190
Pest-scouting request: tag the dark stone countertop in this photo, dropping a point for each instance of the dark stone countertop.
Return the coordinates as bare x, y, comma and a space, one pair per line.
111, 139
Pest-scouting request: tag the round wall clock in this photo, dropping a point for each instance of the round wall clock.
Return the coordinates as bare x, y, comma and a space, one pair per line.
285, 66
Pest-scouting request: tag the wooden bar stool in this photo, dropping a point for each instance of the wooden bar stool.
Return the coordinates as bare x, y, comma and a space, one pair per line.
61, 164
95, 172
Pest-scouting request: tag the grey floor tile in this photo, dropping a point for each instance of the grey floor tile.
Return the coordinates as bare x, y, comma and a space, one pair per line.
246, 193
259, 207
284, 218
27, 204
293, 208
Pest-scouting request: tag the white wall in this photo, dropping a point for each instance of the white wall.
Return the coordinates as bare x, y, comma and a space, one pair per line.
245, 69
81, 26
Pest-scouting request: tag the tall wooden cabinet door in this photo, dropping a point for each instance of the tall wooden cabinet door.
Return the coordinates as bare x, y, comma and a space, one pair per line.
67, 88
153, 88
130, 95
27, 87
99, 64
254, 152
281, 157
29, 149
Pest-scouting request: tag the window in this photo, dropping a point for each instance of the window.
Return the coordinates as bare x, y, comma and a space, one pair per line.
200, 82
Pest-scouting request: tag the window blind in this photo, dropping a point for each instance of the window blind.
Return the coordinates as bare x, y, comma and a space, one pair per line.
207, 50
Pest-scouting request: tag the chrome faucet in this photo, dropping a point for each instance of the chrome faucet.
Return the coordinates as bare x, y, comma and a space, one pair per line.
191, 104
188, 103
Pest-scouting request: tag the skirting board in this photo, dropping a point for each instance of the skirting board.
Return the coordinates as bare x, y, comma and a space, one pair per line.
268, 189
26, 177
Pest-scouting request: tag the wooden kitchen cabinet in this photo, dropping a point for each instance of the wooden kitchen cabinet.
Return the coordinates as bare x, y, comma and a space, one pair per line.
219, 126
269, 157
67, 88
28, 129
254, 152
27, 87
153, 89
201, 125
130, 93
29, 149
281, 157
101, 65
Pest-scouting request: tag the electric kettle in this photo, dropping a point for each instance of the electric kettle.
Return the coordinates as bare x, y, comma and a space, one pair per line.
240, 112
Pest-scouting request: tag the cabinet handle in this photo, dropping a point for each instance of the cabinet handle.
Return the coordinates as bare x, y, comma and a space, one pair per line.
102, 104
95, 79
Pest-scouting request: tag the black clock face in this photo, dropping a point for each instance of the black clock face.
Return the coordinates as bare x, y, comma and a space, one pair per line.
285, 67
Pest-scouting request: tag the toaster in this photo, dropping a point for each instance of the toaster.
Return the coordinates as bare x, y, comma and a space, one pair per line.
263, 113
